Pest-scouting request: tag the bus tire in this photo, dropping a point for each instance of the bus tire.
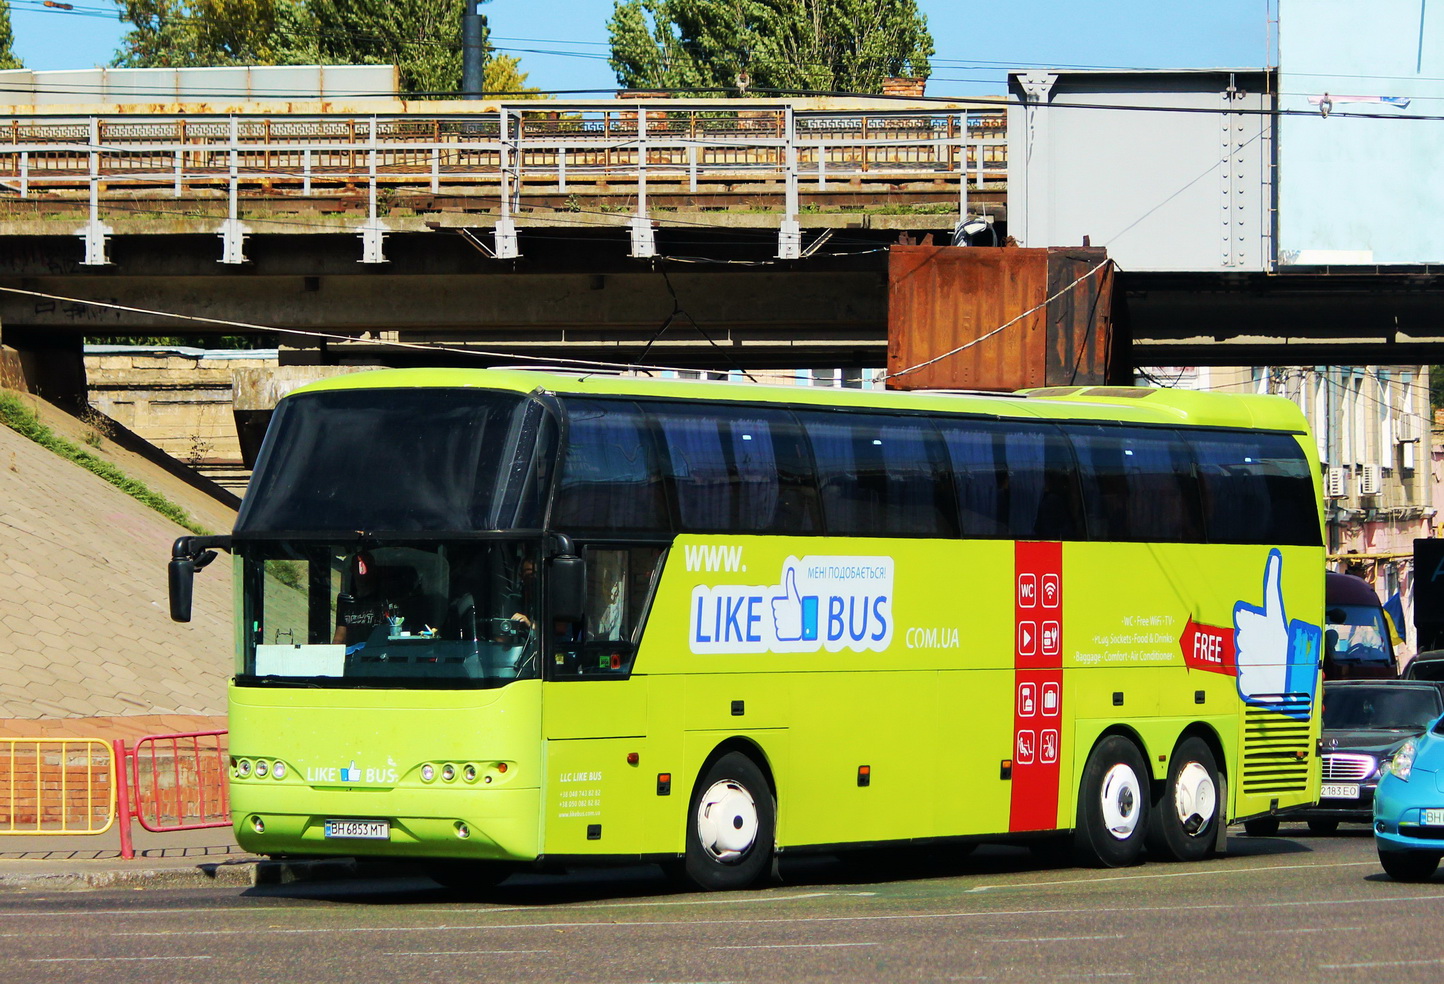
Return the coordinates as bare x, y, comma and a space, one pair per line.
731, 826
1112, 805
1183, 824
468, 876
1261, 826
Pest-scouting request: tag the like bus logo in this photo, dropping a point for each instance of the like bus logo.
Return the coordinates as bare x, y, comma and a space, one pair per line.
820, 602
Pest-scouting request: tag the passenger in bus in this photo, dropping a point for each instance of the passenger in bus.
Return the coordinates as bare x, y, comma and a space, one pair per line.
492, 599
522, 599
364, 606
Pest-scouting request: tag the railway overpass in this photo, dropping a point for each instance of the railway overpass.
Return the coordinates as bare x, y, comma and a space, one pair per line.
710, 234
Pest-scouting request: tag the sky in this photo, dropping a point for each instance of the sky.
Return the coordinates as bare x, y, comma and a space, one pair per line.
563, 43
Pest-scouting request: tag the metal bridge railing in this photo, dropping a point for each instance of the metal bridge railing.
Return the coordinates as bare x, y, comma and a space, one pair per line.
48, 151
771, 151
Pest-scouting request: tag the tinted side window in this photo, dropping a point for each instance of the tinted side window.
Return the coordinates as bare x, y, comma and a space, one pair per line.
738, 469
980, 475
1040, 497
1256, 488
880, 475
610, 478
1138, 484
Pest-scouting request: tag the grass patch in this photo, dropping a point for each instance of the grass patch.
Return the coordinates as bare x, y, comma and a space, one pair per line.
21, 419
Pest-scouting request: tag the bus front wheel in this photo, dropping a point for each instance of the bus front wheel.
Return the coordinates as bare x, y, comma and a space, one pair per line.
468, 876
731, 825
1112, 805
1183, 823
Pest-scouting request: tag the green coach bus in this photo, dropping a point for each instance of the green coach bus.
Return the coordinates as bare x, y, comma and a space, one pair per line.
490, 619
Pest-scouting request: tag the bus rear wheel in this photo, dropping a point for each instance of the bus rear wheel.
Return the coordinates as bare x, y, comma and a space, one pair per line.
1112, 805
731, 826
1183, 824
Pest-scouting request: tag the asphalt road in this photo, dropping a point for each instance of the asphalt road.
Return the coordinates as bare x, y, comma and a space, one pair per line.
1298, 907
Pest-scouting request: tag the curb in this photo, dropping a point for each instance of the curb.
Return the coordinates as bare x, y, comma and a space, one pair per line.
236, 874
247, 873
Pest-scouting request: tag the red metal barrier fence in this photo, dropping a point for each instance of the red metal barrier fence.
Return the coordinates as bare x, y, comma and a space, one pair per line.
83, 785
180, 781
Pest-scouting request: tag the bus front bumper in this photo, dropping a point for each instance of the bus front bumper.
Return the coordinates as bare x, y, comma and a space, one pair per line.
431, 823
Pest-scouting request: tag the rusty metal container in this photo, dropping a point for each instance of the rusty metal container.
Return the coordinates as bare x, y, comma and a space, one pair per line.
967, 317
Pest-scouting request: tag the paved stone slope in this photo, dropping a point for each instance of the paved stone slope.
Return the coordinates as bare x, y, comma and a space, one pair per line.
85, 630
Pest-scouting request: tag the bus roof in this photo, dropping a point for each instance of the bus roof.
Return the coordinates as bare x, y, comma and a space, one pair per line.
1103, 403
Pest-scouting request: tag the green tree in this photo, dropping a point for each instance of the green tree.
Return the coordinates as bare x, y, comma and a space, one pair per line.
789, 45
503, 74
7, 40
422, 38
187, 33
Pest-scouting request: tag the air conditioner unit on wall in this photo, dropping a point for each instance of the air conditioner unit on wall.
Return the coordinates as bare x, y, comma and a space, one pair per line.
1371, 480
1338, 483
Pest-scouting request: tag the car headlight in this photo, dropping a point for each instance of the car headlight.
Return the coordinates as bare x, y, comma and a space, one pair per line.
1403, 761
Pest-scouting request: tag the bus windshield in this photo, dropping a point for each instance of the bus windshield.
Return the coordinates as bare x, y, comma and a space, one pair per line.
457, 613
418, 460
1360, 633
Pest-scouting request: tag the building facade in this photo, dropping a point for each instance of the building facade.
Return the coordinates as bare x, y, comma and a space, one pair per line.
1373, 426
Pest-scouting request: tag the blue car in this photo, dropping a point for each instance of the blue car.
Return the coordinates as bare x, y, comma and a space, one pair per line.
1409, 808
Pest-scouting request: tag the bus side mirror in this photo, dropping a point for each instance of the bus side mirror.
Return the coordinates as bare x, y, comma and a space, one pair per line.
567, 588
182, 588
188, 555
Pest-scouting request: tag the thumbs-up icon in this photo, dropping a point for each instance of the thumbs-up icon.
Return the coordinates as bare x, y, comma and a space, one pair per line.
794, 616
1262, 636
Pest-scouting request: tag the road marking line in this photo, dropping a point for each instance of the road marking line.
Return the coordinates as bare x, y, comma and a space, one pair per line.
801, 920
1178, 874
585, 906
109, 959
787, 946
1381, 963
776, 920
1051, 939
301, 906
457, 953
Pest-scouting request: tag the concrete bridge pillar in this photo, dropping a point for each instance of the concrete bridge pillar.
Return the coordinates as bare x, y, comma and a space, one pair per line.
49, 364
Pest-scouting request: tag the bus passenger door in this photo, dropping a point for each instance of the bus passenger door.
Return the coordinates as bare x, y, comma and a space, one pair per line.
594, 714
